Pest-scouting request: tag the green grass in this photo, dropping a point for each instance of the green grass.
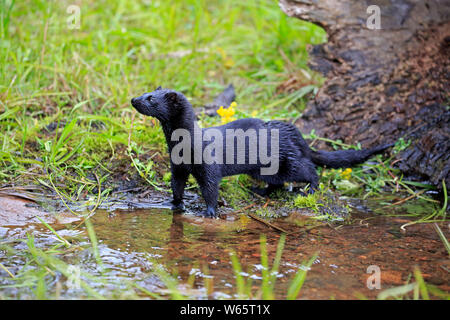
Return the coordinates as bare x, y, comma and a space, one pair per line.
80, 81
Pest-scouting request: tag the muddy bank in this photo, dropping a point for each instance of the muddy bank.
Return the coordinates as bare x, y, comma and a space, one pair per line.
17, 211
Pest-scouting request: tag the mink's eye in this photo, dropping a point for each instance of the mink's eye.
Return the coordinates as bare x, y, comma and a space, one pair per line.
149, 98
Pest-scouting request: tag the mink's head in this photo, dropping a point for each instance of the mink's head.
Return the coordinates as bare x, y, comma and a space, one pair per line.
164, 104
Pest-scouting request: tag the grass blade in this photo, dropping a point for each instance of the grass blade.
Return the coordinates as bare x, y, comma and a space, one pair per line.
66, 243
240, 282
94, 242
299, 279
443, 238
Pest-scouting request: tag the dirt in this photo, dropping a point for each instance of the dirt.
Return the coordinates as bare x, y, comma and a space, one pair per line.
16, 211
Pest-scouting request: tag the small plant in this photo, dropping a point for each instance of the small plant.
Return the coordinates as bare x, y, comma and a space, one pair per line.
311, 201
401, 145
167, 177
324, 204
265, 212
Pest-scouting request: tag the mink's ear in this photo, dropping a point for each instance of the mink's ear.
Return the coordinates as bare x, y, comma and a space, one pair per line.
171, 97
159, 88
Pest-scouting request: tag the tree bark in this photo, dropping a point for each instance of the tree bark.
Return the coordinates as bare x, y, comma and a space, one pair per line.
383, 84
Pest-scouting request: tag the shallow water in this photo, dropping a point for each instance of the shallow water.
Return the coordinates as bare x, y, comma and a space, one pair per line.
197, 249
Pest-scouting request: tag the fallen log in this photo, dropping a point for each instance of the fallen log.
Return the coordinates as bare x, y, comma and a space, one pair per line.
383, 84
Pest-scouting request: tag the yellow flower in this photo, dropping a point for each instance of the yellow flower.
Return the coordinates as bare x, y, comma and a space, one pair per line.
222, 53
254, 113
346, 174
228, 113
221, 112
228, 62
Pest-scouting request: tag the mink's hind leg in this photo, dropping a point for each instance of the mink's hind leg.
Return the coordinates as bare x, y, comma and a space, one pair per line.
305, 171
210, 192
264, 192
209, 186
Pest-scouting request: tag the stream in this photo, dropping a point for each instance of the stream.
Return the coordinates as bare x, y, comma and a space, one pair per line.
197, 251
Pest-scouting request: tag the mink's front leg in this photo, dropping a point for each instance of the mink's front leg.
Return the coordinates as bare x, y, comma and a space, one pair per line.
178, 183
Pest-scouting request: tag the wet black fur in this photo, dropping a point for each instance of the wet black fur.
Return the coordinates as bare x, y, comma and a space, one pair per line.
297, 161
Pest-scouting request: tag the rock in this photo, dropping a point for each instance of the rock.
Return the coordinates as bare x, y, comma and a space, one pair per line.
15, 211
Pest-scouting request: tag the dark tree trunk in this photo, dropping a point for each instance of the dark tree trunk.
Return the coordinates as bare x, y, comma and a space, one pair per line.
383, 84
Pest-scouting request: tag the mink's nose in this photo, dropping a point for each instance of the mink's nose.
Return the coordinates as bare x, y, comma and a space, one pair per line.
133, 100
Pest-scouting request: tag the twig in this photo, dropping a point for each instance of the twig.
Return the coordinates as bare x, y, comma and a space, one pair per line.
127, 190
306, 230
243, 209
395, 161
405, 199
19, 195
266, 223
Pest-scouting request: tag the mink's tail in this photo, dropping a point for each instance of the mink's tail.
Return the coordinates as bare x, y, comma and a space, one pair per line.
345, 158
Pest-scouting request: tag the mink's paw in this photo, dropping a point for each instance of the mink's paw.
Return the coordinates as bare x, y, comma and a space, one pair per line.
259, 191
175, 206
208, 213
305, 194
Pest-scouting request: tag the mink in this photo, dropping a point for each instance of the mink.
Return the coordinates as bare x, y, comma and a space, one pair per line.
296, 161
